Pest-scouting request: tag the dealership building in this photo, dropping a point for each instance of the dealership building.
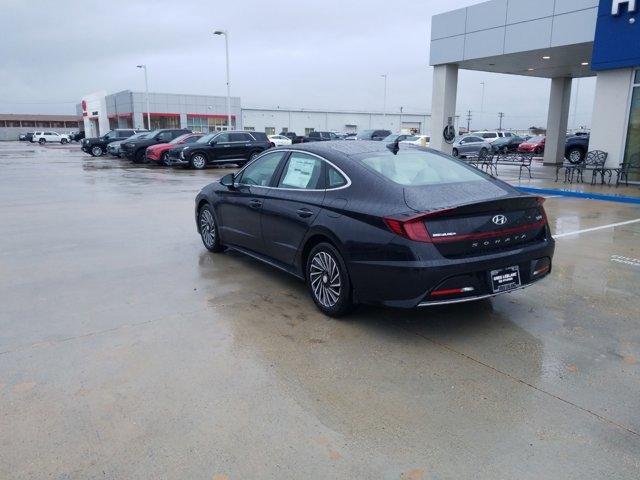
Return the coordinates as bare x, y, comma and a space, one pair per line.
561, 40
102, 112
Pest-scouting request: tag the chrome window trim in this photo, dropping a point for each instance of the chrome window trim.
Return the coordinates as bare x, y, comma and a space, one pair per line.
299, 189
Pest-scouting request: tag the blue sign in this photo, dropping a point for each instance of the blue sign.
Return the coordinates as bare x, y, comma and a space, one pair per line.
617, 42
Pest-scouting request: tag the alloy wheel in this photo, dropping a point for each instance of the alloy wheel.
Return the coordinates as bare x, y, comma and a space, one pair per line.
575, 156
96, 151
325, 279
198, 161
207, 228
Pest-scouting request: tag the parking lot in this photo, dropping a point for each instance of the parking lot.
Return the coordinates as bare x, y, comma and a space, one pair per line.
127, 350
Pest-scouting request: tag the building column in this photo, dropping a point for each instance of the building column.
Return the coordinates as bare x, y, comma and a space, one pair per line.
183, 120
557, 120
611, 113
443, 104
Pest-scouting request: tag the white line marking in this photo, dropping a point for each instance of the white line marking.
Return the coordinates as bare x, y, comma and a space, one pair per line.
612, 225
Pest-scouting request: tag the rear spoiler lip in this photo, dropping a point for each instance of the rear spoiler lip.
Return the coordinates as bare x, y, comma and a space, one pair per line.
414, 214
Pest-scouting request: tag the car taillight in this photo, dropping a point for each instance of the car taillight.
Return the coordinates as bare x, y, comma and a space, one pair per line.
413, 228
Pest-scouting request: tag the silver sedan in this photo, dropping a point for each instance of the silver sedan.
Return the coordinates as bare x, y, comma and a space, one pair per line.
471, 146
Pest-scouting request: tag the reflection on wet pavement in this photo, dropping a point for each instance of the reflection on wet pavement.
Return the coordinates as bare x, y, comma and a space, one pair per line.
129, 351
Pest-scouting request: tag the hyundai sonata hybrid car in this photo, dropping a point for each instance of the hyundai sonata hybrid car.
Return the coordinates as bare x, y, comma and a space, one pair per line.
385, 224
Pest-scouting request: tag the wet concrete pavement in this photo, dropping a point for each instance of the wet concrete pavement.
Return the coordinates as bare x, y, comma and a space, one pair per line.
129, 351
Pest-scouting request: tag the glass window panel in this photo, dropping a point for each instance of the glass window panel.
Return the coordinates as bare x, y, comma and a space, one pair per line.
632, 149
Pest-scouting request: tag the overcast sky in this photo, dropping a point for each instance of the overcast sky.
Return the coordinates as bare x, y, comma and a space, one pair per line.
289, 53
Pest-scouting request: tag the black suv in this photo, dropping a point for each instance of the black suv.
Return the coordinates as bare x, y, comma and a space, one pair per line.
97, 146
321, 137
220, 147
135, 149
293, 137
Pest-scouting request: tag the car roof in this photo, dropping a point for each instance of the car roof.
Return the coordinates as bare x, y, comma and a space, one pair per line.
339, 147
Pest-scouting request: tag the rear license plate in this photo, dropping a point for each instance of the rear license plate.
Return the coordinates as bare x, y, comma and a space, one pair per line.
505, 279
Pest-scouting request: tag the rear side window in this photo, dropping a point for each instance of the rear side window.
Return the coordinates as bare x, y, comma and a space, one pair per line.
335, 178
191, 139
489, 135
301, 172
259, 136
416, 168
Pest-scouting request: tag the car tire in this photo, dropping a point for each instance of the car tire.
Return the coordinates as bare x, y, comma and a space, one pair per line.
328, 281
537, 151
483, 152
504, 150
63, 141
96, 151
198, 161
209, 232
253, 155
575, 155
138, 157
455, 152
42, 141
165, 159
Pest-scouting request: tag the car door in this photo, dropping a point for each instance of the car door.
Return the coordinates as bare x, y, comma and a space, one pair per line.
221, 147
240, 207
241, 144
290, 208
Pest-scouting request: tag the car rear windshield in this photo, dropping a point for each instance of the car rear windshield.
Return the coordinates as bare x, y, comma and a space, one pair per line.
418, 167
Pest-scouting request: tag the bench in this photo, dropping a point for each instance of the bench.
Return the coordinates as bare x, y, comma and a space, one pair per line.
521, 160
594, 162
623, 170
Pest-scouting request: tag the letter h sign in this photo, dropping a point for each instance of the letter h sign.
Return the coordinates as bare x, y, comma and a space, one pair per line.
615, 6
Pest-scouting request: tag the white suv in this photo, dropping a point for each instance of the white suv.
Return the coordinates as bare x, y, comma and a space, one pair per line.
492, 136
44, 137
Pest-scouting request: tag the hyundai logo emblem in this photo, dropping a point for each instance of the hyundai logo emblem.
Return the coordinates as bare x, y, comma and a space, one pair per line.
499, 219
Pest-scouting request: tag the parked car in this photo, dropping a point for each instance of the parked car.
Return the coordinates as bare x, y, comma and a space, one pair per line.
221, 147
135, 149
506, 144
76, 136
158, 153
293, 137
113, 148
279, 140
364, 225
492, 135
50, 137
321, 137
417, 140
97, 146
26, 137
377, 135
471, 146
350, 136
397, 137
533, 145
576, 147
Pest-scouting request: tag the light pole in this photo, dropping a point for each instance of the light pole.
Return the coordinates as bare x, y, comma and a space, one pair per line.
482, 101
146, 88
384, 102
226, 46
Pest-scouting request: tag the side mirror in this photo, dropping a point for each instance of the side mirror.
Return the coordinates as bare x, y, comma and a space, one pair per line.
228, 181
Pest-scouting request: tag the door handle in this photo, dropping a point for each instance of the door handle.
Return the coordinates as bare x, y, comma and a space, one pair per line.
255, 203
304, 213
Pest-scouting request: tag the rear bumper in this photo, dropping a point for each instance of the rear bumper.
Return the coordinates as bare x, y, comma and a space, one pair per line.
409, 284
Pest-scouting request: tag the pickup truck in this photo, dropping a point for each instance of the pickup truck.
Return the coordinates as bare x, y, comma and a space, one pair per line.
321, 137
293, 137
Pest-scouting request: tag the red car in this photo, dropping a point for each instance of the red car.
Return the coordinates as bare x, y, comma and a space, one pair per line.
533, 145
158, 153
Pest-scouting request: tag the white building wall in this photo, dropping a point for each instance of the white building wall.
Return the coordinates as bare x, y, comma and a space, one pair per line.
611, 113
95, 114
299, 120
